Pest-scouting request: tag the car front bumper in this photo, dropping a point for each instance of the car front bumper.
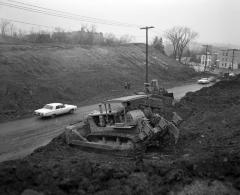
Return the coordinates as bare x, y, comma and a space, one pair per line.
39, 114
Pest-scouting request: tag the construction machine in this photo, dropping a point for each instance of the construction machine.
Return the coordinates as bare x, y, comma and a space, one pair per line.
159, 99
125, 126
154, 89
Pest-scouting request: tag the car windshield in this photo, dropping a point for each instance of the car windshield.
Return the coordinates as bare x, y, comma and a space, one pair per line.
48, 107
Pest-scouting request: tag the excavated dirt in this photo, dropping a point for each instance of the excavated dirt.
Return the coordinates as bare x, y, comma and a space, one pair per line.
206, 159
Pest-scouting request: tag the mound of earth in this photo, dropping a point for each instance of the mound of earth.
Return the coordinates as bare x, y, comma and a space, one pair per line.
211, 118
32, 75
205, 160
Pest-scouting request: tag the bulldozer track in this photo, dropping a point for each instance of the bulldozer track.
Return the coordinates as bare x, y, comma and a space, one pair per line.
136, 152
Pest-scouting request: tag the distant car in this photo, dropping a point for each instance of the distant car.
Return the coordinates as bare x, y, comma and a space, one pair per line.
54, 109
231, 74
203, 81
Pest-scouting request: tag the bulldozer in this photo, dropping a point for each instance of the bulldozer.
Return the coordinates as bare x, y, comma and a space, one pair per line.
155, 90
124, 126
159, 99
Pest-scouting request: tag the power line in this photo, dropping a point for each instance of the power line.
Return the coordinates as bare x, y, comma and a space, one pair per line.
66, 16
39, 25
51, 14
73, 14
52, 27
160, 31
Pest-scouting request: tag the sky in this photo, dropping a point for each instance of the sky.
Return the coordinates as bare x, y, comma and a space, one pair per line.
216, 21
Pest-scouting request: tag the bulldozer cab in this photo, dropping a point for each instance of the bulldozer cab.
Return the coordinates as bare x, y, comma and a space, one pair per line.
124, 115
153, 88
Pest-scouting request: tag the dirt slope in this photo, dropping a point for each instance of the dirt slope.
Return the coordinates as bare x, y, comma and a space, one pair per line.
32, 75
205, 160
212, 118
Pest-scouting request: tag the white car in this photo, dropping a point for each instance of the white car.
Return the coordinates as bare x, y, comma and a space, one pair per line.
203, 81
54, 109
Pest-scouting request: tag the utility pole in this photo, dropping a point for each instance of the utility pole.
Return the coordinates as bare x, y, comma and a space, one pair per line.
233, 55
206, 54
146, 28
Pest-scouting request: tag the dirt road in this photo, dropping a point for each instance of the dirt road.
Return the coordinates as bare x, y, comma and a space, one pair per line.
19, 138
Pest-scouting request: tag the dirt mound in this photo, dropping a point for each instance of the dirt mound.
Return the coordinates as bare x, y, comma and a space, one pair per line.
32, 75
205, 161
60, 169
212, 117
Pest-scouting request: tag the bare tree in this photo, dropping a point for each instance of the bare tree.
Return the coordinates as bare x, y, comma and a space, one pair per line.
126, 39
110, 39
91, 32
4, 27
180, 37
12, 30
20, 34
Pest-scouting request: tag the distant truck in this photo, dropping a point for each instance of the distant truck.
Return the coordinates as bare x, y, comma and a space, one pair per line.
54, 109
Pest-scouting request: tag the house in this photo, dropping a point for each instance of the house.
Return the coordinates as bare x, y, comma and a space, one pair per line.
229, 59
206, 60
210, 60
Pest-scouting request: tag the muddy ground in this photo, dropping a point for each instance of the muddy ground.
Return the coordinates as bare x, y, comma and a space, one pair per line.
206, 159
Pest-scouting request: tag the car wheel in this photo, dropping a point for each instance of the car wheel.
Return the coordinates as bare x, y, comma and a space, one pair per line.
71, 111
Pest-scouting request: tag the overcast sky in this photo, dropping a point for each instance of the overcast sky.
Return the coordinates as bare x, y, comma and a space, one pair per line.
216, 21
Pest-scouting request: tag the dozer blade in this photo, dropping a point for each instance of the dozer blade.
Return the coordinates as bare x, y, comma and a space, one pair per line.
86, 144
108, 150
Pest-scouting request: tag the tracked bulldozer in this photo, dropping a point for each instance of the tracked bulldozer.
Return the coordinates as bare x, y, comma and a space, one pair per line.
125, 126
158, 97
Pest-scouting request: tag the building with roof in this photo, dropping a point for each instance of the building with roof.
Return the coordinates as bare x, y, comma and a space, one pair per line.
211, 60
229, 59
206, 60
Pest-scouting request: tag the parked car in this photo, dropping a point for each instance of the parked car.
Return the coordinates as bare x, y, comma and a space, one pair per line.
203, 81
54, 109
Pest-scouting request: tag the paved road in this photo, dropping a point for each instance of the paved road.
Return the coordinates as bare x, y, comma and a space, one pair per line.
19, 138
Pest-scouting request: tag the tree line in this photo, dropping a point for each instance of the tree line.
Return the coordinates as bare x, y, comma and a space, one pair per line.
87, 35
178, 36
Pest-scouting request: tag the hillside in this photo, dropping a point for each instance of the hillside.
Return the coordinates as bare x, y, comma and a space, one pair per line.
34, 74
